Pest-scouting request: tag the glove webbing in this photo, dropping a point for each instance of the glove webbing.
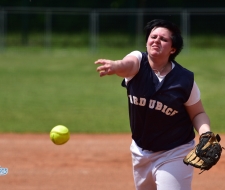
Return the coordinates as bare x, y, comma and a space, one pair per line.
209, 153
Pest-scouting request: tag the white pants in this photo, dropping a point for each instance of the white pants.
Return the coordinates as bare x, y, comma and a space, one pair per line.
162, 170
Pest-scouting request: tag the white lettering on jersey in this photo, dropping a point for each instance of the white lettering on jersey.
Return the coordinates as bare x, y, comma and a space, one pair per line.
153, 104
135, 99
142, 102
130, 97
168, 111
159, 105
164, 108
174, 112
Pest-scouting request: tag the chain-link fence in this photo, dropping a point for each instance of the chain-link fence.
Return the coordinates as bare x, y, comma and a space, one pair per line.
48, 27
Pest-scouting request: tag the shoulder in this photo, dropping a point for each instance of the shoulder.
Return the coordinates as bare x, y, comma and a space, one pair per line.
135, 53
182, 71
184, 78
142, 57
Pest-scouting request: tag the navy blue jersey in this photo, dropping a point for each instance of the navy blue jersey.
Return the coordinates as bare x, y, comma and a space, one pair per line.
158, 118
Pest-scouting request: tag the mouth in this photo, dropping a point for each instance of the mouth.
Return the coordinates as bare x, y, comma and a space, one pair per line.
155, 47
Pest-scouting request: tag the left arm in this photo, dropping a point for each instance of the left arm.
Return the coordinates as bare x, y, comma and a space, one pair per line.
198, 117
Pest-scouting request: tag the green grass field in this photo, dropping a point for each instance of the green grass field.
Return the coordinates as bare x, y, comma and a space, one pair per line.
41, 89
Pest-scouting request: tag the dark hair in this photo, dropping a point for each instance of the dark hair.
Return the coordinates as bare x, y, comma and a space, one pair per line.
177, 40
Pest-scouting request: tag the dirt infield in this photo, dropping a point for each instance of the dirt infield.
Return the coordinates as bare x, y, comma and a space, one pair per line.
86, 162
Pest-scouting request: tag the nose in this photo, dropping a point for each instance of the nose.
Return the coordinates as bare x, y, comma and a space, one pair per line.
157, 40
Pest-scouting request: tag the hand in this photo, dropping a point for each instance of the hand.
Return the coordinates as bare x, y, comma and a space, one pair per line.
205, 154
108, 67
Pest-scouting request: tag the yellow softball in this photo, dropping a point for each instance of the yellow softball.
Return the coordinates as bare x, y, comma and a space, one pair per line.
59, 134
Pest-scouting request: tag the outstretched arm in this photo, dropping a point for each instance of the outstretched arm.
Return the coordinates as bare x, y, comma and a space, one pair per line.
127, 67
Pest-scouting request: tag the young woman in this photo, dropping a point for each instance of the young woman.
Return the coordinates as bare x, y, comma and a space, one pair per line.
164, 109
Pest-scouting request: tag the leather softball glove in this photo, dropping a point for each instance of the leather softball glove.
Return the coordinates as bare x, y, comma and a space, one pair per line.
205, 154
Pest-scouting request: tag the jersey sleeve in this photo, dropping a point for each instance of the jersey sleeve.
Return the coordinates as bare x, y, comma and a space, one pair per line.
138, 55
194, 96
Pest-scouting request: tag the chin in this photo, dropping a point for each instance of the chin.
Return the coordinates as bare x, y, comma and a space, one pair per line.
155, 54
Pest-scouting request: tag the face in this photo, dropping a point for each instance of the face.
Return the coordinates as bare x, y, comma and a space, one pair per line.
159, 43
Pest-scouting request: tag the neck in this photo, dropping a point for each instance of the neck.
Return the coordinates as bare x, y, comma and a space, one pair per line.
160, 66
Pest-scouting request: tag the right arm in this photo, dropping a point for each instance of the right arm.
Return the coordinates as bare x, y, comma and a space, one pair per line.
127, 67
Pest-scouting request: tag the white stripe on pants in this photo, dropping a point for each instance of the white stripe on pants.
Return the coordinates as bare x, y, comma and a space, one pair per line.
162, 170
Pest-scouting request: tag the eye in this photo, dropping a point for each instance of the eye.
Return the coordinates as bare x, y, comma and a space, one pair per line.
164, 39
153, 36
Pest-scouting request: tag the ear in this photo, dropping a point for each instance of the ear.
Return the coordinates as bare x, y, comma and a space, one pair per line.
173, 50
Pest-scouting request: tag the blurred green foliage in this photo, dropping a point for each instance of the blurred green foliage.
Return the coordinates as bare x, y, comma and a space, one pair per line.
41, 88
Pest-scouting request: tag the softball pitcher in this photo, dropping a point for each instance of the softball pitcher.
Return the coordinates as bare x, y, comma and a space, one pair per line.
164, 109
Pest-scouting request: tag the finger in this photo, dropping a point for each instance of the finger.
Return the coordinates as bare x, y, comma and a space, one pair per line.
103, 73
100, 61
101, 68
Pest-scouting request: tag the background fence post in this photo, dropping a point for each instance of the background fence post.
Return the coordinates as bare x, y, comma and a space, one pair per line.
94, 20
48, 29
185, 29
139, 30
2, 29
